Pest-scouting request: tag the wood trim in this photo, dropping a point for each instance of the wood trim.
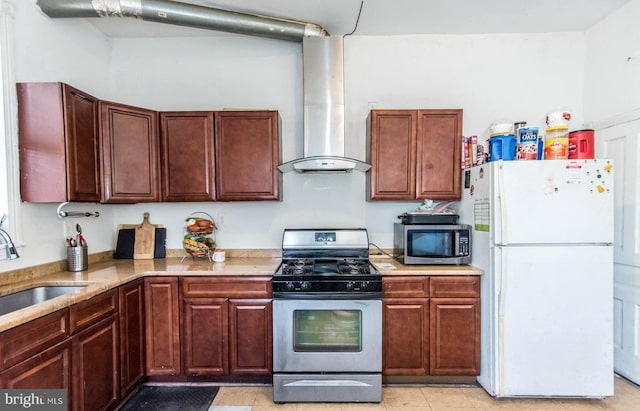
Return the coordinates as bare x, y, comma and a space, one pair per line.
405, 287
226, 287
86, 313
455, 286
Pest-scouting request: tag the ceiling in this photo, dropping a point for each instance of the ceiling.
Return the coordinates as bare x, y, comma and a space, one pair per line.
395, 17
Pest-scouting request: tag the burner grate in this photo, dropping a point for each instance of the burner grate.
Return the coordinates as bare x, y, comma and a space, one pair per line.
352, 266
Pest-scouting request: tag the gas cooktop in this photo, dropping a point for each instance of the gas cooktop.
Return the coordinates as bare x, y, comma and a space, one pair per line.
330, 262
325, 267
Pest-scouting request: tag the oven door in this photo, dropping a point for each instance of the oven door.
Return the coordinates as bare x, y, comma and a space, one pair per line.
327, 335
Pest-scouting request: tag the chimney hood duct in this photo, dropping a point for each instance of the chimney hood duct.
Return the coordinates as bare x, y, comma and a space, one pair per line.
323, 141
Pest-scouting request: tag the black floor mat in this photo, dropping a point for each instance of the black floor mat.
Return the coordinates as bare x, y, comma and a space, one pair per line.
163, 398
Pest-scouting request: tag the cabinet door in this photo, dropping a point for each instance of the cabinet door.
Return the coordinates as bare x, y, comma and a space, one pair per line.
392, 142
26, 340
455, 336
58, 132
205, 336
95, 366
162, 326
247, 155
130, 150
187, 156
438, 149
250, 337
131, 316
48, 369
81, 128
405, 347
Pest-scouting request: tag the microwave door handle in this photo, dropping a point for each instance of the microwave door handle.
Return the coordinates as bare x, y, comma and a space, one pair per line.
456, 243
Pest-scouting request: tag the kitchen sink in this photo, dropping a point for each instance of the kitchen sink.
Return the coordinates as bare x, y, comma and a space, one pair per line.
31, 296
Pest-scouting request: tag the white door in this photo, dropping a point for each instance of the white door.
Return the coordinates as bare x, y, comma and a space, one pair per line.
555, 321
620, 143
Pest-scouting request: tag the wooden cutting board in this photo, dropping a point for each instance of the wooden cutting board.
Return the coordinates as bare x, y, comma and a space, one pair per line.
145, 240
125, 240
144, 237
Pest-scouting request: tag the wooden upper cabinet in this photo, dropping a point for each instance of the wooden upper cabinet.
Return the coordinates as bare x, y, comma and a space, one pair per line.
247, 155
59, 156
130, 154
392, 154
74, 147
187, 152
438, 149
415, 154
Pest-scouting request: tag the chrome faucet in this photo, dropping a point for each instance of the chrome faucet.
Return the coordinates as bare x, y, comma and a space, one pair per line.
11, 252
9, 247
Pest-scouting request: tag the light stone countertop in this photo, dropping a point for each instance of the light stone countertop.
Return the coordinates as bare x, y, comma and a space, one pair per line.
106, 275
391, 267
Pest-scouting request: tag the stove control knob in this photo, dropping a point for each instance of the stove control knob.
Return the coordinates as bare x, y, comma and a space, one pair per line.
290, 286
350, 285
305, 285
364, 284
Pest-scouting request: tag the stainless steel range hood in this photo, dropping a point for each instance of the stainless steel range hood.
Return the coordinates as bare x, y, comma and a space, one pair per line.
323, 139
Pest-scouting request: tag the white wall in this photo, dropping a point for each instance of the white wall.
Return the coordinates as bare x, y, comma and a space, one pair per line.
519, 77
612, 65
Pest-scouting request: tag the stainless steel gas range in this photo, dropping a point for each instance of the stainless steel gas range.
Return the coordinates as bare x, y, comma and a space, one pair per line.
327, 318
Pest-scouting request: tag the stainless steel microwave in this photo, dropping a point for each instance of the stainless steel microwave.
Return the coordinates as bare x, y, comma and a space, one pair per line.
432, 244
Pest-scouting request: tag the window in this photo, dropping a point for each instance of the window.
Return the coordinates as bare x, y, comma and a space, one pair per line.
9, 166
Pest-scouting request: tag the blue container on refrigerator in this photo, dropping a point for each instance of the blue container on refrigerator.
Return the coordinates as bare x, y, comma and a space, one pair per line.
502, 147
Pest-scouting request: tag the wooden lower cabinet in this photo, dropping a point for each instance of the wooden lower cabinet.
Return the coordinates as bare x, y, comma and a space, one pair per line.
226, 337
204, 336
132, 349
250, 337
162, 326
406, 336
95, 367
431, 326
454, 335
48, 369
226, 326
208, 326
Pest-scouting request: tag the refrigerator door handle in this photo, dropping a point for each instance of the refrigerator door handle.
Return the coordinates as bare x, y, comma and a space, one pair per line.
503, 281
503, 210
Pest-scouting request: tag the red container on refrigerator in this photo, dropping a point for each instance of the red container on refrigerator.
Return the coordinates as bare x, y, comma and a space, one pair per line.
581, 144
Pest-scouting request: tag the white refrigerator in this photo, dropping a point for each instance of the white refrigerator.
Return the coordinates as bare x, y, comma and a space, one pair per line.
543, 234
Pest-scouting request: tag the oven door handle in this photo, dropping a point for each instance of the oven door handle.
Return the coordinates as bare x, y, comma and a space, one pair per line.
374, 295
327, 383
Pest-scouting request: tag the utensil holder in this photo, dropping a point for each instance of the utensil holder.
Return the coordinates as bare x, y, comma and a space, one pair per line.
77, 258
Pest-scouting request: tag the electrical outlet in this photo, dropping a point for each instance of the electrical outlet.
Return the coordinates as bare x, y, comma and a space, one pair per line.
220, 220
69, 229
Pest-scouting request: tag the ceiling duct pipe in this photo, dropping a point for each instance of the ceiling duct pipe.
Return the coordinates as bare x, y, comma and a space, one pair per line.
183, 14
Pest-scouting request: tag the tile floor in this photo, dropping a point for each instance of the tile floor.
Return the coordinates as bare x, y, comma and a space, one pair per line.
428, 398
